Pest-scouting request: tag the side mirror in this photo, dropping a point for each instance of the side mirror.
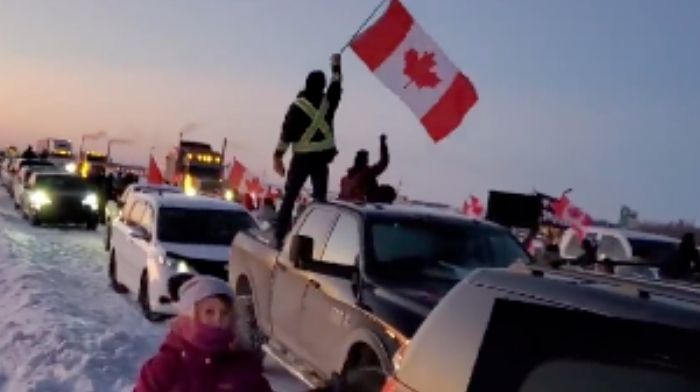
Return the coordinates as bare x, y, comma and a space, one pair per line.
301, 251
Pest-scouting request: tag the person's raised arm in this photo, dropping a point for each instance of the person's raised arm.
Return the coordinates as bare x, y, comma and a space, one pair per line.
335, 89
379, 167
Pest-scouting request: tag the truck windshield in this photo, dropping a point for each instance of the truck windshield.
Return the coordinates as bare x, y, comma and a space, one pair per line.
213, 227
438, 249
201, 171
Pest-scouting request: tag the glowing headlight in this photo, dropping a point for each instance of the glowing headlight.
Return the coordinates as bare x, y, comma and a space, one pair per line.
39, 199
91, 200
228, 195
180, 266
71, 167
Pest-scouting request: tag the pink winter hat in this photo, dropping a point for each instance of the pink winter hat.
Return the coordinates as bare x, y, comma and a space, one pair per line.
199, 288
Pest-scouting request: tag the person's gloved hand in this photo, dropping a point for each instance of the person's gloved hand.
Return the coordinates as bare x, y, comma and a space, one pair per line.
335, 60
278, 165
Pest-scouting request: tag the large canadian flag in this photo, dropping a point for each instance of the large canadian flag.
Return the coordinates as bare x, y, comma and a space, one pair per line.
409, 63
243, 180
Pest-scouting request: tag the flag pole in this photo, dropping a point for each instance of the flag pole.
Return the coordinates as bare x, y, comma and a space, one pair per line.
362, 26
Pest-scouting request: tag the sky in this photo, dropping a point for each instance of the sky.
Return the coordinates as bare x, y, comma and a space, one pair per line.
599, 96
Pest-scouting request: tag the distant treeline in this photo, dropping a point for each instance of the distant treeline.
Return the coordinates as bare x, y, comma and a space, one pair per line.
673, 229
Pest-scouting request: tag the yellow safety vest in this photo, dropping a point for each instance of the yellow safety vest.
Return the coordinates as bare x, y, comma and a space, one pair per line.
318, 122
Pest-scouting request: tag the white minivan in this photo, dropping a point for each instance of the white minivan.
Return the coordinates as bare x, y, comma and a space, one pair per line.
158, 236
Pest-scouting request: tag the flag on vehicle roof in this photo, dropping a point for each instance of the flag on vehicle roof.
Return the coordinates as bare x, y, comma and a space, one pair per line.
409, 63
155, 176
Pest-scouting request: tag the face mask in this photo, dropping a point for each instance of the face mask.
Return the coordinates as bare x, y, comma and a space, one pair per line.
205, 337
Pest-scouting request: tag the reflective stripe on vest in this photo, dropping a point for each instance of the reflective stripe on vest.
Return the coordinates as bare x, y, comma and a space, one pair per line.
318, 122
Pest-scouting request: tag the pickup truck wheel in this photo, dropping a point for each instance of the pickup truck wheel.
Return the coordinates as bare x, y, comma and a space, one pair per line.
363, 370
367, 379
249, 324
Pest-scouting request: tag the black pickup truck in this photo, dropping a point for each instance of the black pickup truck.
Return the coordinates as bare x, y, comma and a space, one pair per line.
353, 282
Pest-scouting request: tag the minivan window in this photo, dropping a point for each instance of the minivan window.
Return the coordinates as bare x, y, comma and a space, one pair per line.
137, 213
438, 249
212, 227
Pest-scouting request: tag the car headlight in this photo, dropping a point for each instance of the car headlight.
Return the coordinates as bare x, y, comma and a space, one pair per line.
228, 195
91, 200
71, 167
180, 266
39, 199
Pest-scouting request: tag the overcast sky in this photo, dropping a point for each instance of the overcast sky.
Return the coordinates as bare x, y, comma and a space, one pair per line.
597, 95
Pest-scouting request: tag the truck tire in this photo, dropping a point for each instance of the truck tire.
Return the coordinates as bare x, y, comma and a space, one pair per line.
363, 369
254, 338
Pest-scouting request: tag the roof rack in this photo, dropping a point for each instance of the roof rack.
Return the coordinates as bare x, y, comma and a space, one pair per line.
645, 289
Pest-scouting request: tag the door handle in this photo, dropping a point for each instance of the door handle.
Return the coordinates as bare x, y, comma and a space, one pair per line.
313, 283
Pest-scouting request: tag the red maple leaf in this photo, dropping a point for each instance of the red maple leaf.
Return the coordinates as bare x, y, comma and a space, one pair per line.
418, 68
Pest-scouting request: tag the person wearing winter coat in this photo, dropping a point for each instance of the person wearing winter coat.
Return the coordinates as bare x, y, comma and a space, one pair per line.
200, 354
360, 183
308, 129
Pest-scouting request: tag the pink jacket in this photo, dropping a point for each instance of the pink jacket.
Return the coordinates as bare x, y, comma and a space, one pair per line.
179, 366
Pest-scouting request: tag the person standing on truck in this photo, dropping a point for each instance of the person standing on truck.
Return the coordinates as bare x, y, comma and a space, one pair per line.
308, 127
360, 183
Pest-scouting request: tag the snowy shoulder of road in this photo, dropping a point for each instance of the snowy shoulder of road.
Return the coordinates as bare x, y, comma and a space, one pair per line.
61, 327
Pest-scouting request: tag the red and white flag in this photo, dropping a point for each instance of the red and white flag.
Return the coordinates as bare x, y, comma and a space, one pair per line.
571, 215
243, 180
410, 63
155, 176
473, 208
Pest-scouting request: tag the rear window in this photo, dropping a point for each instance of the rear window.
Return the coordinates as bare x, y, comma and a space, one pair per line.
567, 350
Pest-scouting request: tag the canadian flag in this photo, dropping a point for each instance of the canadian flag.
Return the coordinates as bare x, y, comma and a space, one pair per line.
571, 215
155, 176
409, 63
243, 180
473, 207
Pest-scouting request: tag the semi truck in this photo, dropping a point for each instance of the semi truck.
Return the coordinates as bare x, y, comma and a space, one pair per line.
58, 151
196, 168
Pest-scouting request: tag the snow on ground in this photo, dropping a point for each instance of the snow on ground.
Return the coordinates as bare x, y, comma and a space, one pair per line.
61, 327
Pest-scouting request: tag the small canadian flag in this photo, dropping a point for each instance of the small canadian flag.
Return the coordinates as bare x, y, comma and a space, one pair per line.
155, 176
571, 215
409, 63
243, 180
473, 208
